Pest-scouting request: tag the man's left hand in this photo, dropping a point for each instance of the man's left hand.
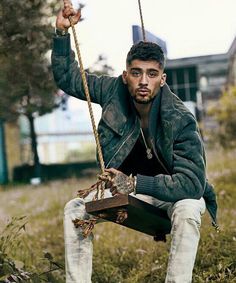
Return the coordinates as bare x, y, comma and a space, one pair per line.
119, 183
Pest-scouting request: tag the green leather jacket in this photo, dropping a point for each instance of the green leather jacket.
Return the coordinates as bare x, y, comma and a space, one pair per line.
175, 137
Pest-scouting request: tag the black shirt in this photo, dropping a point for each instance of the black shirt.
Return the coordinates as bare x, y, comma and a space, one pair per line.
138, 163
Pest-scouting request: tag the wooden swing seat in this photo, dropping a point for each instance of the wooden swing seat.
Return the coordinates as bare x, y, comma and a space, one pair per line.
141, 216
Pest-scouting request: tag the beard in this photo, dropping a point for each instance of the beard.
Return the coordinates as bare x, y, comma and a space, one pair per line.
143, 101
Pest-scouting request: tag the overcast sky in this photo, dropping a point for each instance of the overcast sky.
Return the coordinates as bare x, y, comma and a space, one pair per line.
189, 27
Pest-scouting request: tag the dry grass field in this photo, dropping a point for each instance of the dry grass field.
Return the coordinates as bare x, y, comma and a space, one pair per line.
121, 255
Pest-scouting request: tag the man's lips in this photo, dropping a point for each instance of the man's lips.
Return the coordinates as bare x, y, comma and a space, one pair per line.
143, 91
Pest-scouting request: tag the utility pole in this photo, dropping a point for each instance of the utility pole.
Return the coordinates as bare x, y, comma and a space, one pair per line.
3, 159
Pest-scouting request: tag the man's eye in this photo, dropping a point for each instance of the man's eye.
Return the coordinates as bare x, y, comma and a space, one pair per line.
135, 73
152, 74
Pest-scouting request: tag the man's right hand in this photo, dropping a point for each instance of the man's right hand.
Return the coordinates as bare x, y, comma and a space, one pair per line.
62, 22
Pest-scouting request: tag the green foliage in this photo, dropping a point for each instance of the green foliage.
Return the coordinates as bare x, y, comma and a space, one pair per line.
26, 84
10, 270
225, 114
26, 81
14, 270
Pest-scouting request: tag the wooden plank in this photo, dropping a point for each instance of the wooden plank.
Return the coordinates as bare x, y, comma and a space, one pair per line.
142, 216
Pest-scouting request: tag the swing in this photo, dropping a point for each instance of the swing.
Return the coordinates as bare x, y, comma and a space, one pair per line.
125, 210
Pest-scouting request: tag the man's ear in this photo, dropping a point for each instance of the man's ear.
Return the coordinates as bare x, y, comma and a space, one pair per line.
163, 79
124, 75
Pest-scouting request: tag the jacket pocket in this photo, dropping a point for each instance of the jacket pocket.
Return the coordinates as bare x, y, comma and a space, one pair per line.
107, 135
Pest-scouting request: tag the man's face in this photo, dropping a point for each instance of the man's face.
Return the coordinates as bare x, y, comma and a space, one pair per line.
144, 79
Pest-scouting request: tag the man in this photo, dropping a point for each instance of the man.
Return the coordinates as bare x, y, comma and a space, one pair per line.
146, 131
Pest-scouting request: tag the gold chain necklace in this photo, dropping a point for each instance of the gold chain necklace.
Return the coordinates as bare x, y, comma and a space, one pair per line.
148, 150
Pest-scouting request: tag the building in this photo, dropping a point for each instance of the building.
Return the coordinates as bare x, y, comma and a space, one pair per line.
199, 80
207, 74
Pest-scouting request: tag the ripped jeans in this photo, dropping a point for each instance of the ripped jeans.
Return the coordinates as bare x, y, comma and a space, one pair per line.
185, 218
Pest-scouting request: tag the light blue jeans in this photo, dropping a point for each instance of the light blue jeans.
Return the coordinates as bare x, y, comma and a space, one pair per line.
185, 218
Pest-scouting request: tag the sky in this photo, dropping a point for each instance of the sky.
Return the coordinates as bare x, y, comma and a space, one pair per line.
190, 28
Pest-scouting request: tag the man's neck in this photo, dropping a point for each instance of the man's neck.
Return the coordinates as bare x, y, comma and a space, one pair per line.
143, 110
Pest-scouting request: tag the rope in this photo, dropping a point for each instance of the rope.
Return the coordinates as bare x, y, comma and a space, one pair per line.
86, 90
141, 18
88, 225
100, 188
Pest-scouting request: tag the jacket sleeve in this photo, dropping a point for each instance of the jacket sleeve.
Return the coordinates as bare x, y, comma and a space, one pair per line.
68, 77
187, 179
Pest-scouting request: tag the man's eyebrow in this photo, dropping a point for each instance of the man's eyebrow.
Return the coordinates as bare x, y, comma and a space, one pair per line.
136, 69
140, 69
152, 69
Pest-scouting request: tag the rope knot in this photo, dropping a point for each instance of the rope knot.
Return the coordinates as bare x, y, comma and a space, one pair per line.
102, 183
86, 225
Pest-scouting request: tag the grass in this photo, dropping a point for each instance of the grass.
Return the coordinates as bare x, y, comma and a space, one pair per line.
120, 254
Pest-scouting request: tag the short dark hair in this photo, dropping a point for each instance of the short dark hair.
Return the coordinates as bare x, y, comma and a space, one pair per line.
146, 51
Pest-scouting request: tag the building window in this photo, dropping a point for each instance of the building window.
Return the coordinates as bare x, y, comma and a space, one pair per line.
183, 82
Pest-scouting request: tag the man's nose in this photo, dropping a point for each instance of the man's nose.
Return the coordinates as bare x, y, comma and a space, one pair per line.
143, 80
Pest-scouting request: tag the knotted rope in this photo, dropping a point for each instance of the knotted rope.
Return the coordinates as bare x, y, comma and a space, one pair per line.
88, 225
100, 185
100, 188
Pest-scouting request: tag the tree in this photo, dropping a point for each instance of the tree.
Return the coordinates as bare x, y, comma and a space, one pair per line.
101, 67
26, 82
225, 114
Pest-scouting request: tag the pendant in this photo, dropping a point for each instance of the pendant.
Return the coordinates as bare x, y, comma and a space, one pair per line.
149, 153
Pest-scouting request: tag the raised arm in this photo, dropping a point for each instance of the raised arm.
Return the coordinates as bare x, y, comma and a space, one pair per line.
65, 68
